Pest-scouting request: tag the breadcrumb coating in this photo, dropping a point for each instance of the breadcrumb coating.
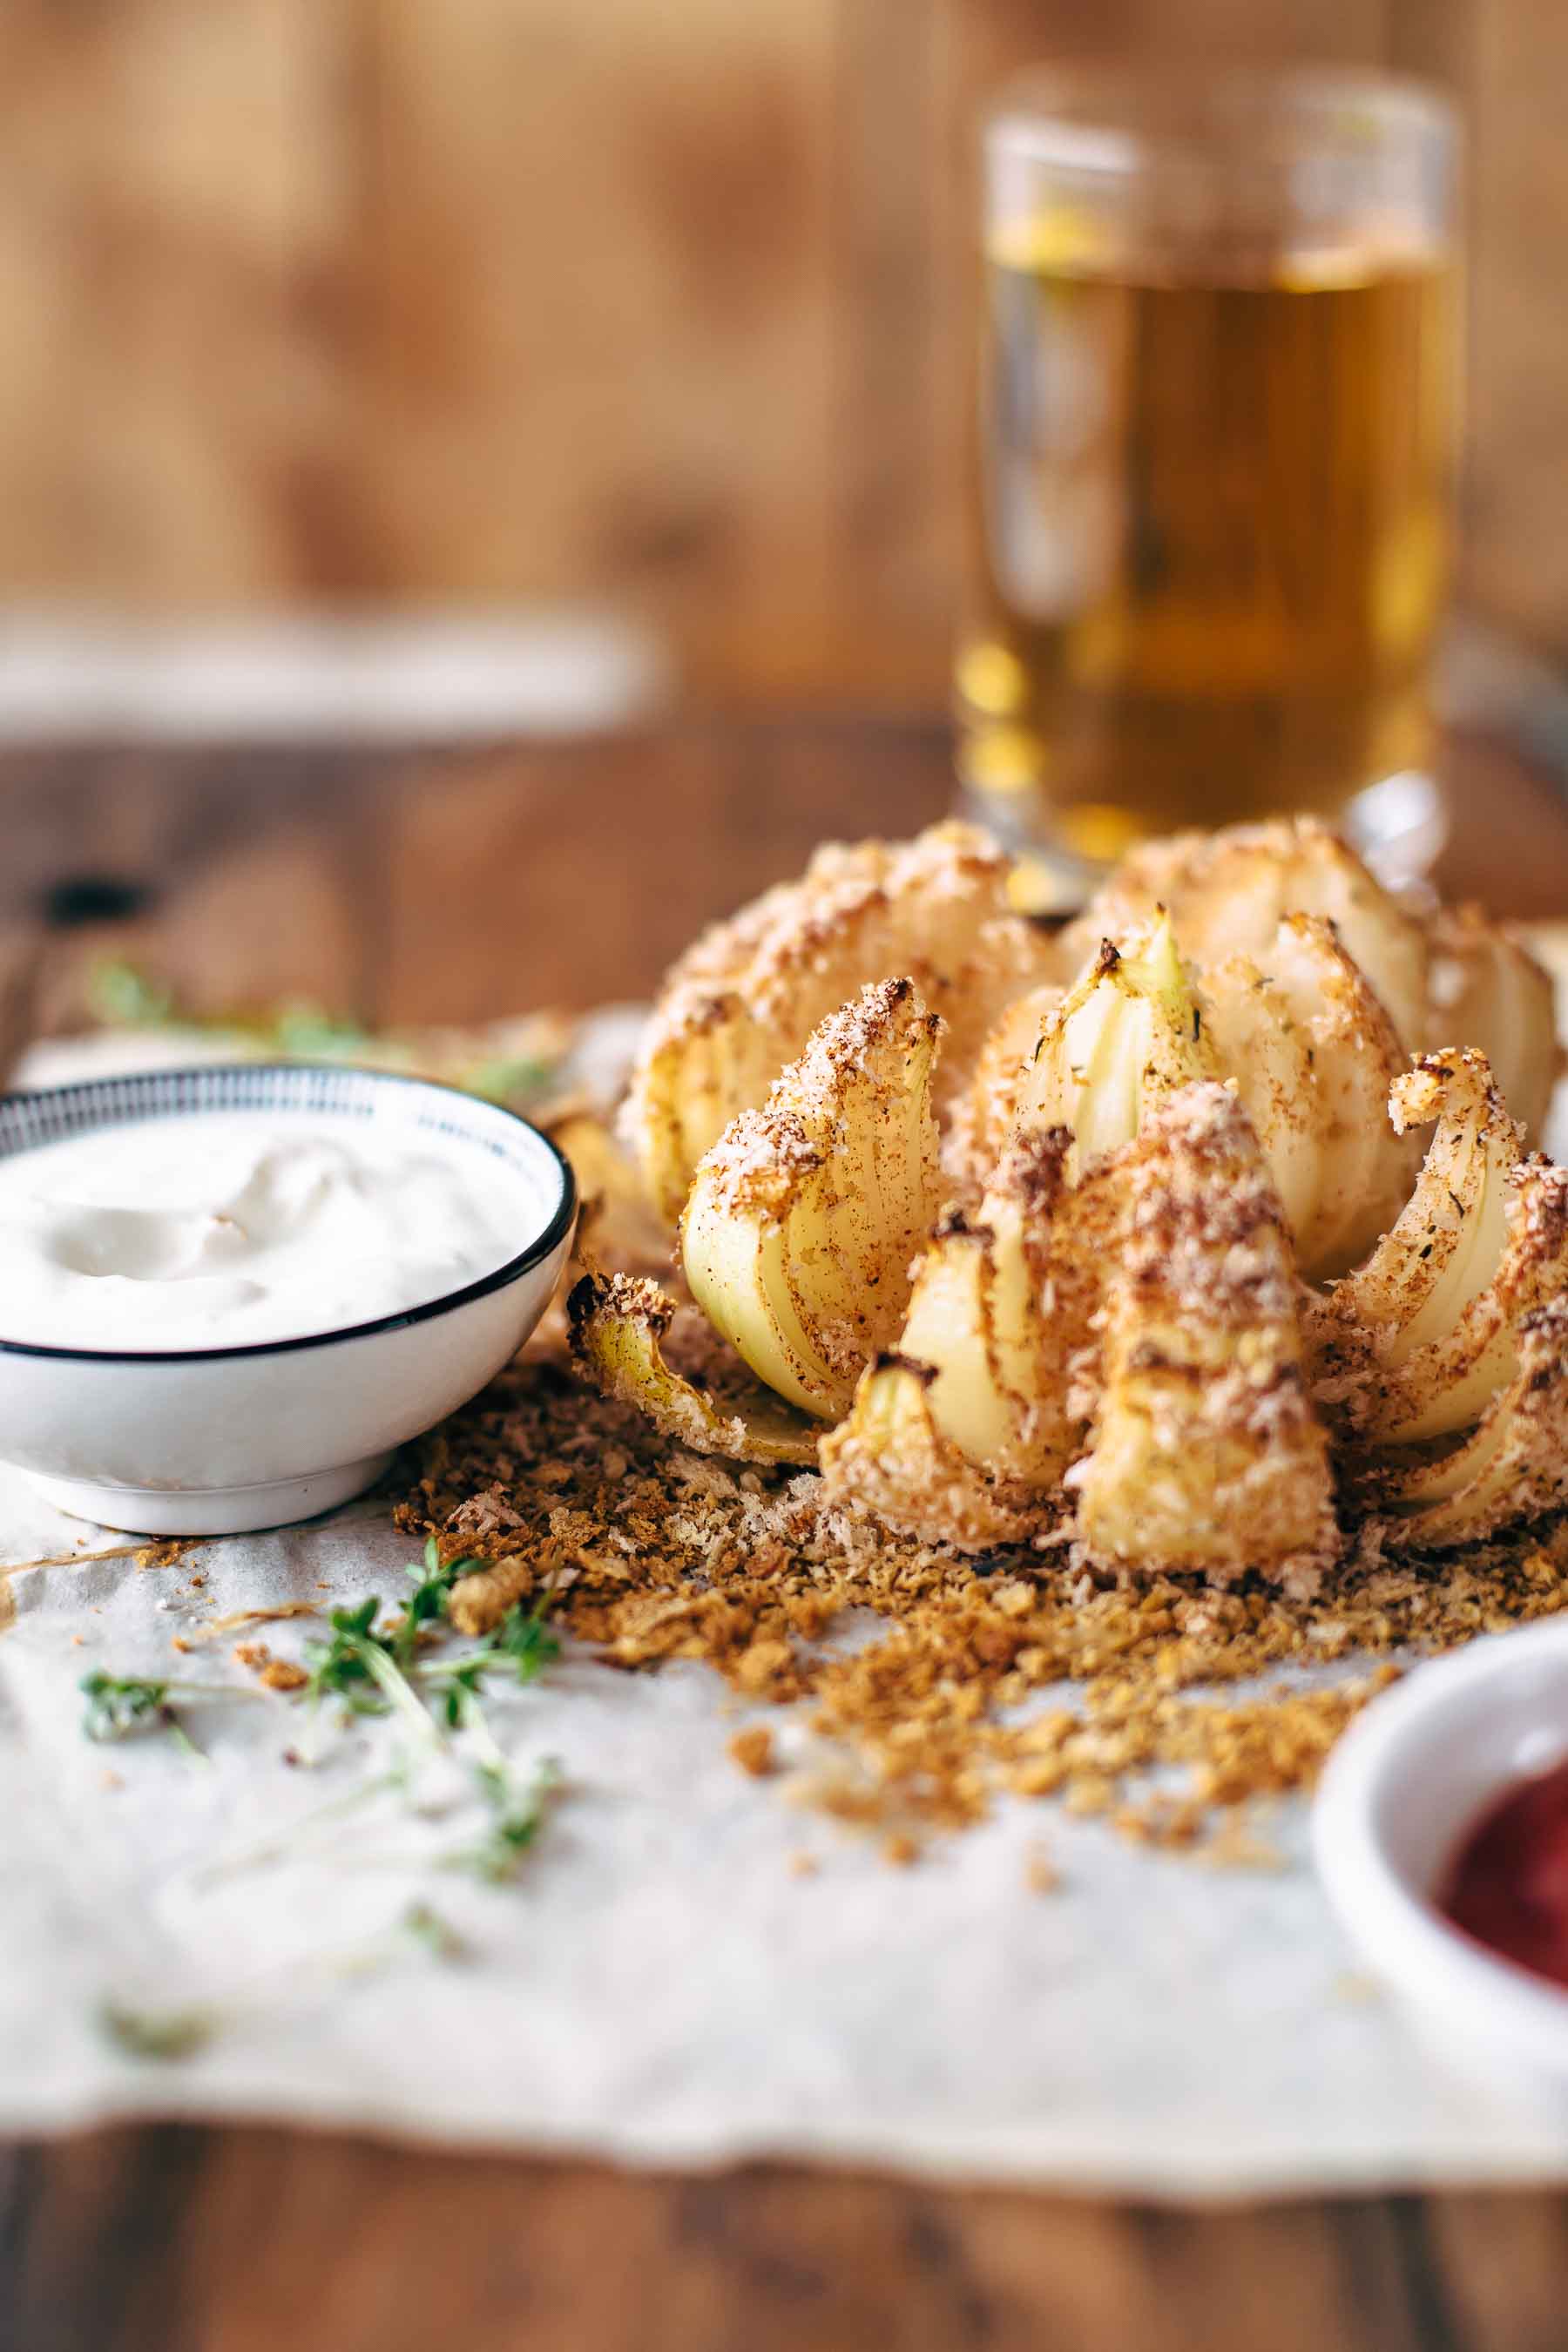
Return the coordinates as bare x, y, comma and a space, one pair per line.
1173, 1710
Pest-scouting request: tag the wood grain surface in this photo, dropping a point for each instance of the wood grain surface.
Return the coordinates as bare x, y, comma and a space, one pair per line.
452, 889
535, 300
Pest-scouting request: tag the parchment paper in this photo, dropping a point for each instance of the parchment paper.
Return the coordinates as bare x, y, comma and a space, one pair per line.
660, 1984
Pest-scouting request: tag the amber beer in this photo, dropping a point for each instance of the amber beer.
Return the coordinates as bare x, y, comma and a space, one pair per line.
1210, 518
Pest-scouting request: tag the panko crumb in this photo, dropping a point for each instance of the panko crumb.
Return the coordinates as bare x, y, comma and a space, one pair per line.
283, 1674
166, 1551
752, 1750
1041, 1876
274, 1674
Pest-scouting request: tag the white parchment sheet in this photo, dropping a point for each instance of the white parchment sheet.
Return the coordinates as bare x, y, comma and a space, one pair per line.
661, 1983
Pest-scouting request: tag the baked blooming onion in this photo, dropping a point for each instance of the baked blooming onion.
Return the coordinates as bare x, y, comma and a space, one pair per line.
1513, 1467
1488, 992
741, 1003
1422, 1335
1128, 1031
1305, 1042
1457, 1322
1150, 1238
803, 1219
1312, 1054
975, 1416
1207, 1452
1228, 892
619, 1325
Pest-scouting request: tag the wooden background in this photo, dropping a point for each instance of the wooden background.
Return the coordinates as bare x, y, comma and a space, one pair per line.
499, 301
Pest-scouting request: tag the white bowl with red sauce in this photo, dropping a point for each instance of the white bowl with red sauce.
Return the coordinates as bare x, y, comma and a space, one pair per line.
1436, 1803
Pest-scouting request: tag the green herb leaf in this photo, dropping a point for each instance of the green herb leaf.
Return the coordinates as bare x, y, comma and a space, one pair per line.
519, 1816
527, 1642
169, 2034
309, 1033
439, 1936
118, 1705
357, 1655
428, 1600
508, 1081
123, 998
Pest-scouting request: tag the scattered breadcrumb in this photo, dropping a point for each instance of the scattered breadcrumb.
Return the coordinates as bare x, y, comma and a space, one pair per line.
754, 1752
167, 1551
1169, 1709
277, 1673
1041, 1876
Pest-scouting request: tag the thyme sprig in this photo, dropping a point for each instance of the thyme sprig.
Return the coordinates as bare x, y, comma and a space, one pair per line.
433, 1581
358, 1655
372, 1660
522, 1646
120, 1704
518, 1814
372, 1668
372, 1665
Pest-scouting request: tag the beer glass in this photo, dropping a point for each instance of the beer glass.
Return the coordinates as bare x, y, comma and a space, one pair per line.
1212, 485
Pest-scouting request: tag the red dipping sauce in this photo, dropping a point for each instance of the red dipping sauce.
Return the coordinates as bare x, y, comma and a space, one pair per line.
1508, 1884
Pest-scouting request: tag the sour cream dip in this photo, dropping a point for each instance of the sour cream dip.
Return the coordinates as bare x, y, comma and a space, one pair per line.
230, 1227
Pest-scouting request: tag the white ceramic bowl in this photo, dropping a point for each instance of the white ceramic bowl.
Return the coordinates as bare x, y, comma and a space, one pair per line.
1418, 1769
211, 1441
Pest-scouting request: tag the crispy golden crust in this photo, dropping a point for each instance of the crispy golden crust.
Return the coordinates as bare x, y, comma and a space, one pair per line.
741, 1003
1228, 892
984, 1114
1513, 1470
805, 1217
1207, 1452
963, 1433
1418, 1340
1128, 1032
626, 1235
891, 1461
618, 1324
1310, 1047
1314, 1053
1488, 991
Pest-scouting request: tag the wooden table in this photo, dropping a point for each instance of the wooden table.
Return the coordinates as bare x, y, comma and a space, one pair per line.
450, 888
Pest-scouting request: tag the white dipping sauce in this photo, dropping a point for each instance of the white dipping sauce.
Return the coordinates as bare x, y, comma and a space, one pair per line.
228, 1227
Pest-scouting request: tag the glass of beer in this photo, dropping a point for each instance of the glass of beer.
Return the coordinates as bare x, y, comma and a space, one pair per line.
1215, 451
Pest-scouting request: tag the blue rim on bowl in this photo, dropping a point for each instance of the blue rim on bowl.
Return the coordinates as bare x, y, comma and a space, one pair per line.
29, 1120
